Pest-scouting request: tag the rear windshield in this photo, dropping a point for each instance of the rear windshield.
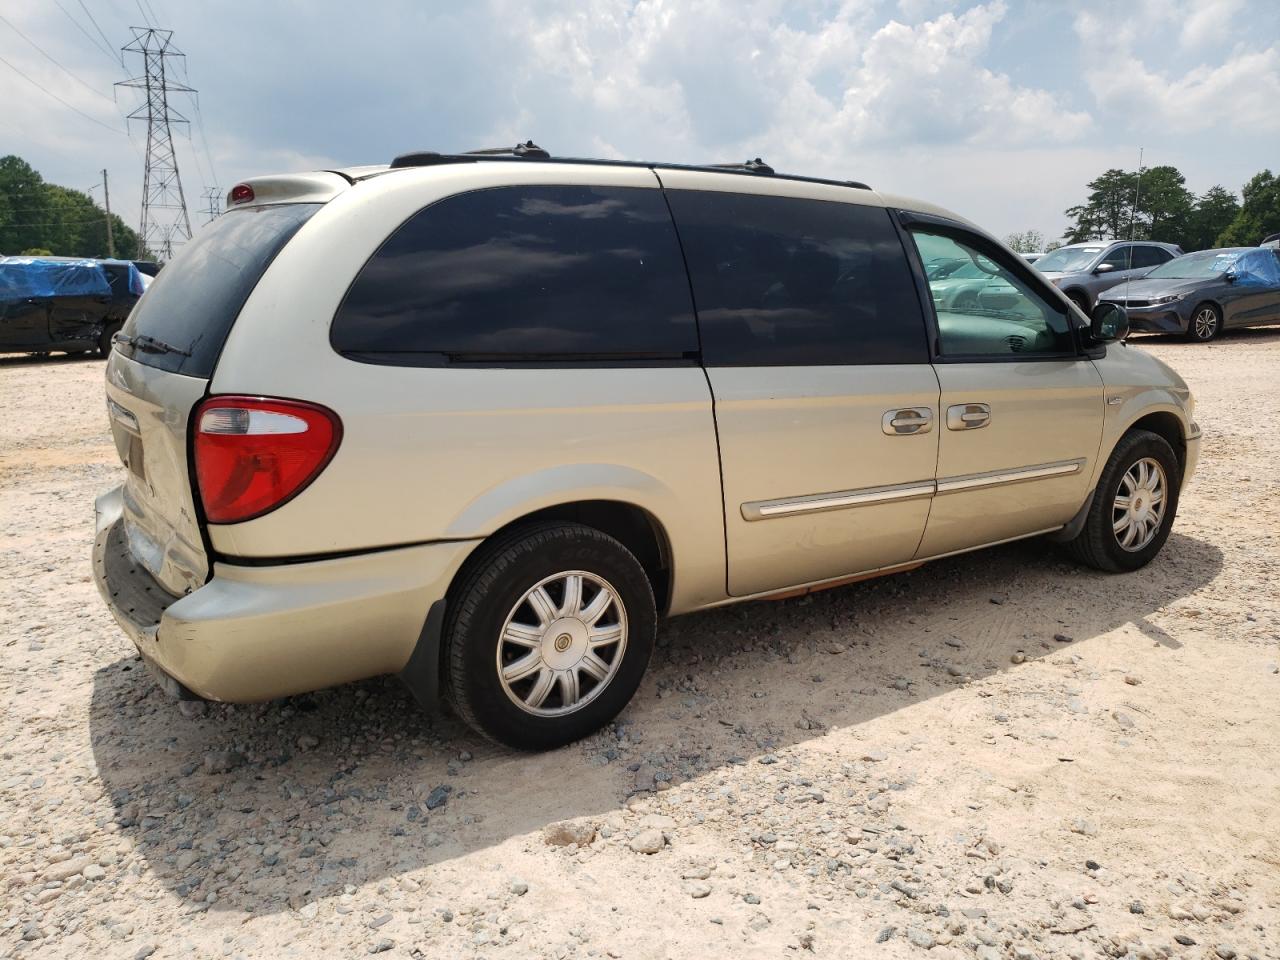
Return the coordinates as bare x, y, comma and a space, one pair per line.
183, 321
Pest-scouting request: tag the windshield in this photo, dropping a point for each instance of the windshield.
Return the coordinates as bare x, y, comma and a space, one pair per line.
1197, 266
1068, 259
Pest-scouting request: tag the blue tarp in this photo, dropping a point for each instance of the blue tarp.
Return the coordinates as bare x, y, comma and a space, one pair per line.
25, 278
1259, 268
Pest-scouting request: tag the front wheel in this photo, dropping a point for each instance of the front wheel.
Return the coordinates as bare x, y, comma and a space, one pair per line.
548, 635
1133, 506
1206, 323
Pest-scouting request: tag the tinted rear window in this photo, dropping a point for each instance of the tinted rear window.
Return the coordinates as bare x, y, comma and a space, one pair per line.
524, 273
781, 281
194, 301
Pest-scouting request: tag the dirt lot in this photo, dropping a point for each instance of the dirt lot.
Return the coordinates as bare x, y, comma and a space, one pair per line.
996, 755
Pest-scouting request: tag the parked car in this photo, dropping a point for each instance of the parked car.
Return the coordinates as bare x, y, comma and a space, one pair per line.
480, 420
1084, 270
1272, 241
64, 304
1202, 294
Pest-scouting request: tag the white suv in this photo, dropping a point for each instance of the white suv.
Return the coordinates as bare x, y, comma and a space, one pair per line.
480, 420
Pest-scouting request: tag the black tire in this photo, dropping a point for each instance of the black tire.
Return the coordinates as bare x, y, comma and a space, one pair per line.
104, 339
493, 586
1097, 544
1203, 330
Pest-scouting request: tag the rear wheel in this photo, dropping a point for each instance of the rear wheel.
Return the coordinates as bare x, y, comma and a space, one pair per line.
1205, 324
548, 635
1133, 507
104, 340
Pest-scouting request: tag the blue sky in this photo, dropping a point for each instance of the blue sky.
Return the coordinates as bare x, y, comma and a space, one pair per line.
1000, 110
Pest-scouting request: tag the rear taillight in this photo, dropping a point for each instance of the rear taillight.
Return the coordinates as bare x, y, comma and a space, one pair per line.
240, 193
253, 454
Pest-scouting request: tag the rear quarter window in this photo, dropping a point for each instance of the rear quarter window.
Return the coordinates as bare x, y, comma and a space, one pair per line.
192, 304
524, 273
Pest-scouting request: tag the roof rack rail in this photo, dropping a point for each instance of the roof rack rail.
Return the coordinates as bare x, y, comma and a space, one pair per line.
751, 166
428, 158
531, 151
526, 149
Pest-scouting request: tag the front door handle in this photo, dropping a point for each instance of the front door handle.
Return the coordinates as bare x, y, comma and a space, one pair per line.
903, 421
968, 416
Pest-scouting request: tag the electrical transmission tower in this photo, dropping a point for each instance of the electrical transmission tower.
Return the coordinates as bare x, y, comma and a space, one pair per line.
214, 197
165, 221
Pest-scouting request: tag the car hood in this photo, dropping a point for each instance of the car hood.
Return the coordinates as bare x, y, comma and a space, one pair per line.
1154, 289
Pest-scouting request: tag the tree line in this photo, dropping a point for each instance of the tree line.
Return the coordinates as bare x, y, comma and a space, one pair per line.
38, 218
1158, 206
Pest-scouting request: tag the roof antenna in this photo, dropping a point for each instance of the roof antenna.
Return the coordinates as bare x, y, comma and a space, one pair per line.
1133, 216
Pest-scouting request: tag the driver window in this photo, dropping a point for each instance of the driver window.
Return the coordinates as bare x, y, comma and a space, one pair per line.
1118, 258
983, 308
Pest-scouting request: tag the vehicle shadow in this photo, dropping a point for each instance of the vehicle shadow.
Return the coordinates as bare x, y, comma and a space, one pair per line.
265, 807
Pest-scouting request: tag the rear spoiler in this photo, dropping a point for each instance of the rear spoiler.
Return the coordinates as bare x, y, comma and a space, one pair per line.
318, 187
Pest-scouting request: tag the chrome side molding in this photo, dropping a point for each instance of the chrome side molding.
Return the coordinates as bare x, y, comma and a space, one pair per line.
868, 496
997, 478
818, 502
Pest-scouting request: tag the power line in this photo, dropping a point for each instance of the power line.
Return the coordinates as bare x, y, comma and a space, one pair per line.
60, 100
118, 61
96, 27
50, 58
145, 18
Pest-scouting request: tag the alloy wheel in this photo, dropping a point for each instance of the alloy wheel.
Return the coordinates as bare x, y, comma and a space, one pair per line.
562, 643
1138, 509
1205, 323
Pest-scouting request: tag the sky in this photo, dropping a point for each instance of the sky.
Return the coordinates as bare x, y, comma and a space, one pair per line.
1001, 111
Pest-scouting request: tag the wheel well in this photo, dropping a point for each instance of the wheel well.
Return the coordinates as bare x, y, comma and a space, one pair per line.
634, 527
1077, 294
1166, 425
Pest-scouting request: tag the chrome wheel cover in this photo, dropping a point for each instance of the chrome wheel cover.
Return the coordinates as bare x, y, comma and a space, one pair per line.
1138, 510
562, 643
1205, 323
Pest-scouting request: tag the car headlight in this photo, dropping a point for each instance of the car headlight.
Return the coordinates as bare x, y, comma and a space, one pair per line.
1172, 298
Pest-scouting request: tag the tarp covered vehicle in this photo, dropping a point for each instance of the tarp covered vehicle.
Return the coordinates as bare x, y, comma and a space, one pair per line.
75, 306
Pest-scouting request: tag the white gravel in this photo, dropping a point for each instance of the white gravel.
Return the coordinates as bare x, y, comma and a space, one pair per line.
868, 772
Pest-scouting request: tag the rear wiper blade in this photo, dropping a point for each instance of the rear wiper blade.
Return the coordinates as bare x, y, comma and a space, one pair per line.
149, 344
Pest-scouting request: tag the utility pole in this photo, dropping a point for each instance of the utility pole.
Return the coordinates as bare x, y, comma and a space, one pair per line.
214, 196
106, 202
164, 206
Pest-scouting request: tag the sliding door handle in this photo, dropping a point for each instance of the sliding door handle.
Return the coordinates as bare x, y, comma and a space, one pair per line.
904, 421
968, 416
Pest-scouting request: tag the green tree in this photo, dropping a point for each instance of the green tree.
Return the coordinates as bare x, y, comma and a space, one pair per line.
1165, 206
25, 206
1029, 241
1259, 215
1214, 212
39, 215
1107, 212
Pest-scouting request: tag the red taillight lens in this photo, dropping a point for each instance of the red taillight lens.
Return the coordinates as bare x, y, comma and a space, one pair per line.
240, 193
253, 454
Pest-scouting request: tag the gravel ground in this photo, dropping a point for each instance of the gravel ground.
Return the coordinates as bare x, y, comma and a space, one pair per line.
999, 755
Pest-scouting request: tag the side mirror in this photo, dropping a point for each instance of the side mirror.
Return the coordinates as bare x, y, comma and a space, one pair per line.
1231, 276
1104, 268
1108, 323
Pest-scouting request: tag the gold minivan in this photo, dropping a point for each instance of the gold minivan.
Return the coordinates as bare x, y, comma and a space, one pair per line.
480, 420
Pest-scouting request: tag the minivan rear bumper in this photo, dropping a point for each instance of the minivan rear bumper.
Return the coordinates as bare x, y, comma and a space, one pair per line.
253, 633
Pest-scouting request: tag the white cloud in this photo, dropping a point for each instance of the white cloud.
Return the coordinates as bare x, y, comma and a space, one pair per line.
1239, 92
